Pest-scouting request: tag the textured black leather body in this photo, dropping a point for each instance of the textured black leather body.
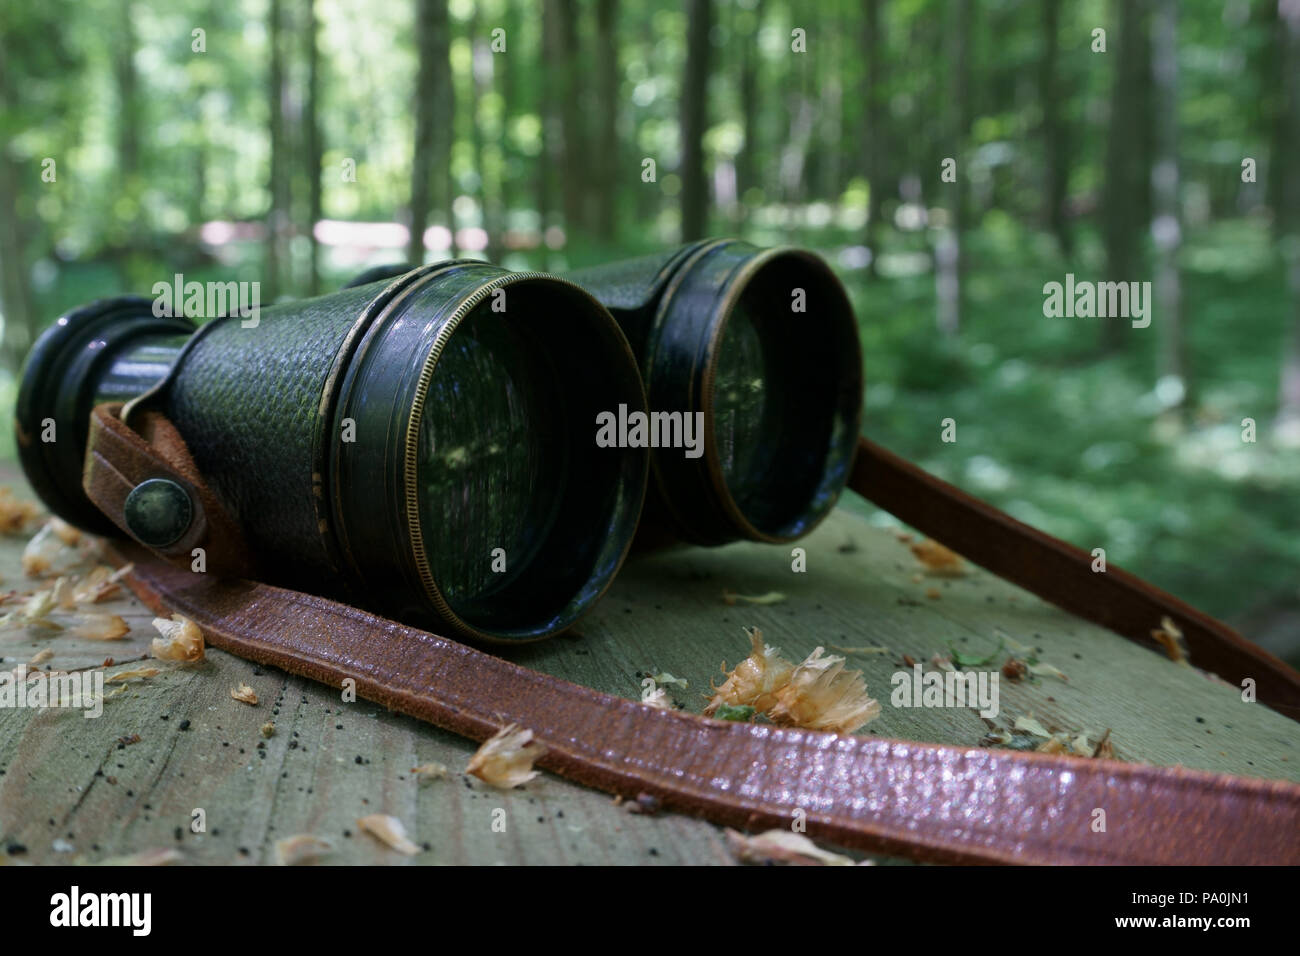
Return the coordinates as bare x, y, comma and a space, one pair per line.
247, 401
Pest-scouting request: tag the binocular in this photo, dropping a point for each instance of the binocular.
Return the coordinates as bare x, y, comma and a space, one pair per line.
459, 444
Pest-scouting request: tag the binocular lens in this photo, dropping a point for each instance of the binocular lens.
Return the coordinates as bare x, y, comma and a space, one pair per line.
784, 390
490, 469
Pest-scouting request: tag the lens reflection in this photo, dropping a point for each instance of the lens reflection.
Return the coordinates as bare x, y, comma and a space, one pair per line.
740, 403
490, 467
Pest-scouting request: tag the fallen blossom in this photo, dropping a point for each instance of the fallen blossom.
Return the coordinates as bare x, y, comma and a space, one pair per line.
783, 847
938, 560
506, 759
771, 597
244, 694
1170, 637
16, 515
95, 626
388, 829
181, 640
431, 771
140, 673
657, 698
1029, 725
822, 695
301, 848
754, 679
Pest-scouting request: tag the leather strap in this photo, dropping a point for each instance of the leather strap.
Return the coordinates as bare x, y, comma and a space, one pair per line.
118, 458
929, 802
1062, 574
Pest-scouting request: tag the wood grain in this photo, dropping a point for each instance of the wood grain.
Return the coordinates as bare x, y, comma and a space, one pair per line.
70, 792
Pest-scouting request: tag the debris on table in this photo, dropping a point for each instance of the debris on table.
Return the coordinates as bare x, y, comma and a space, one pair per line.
301, 848
730, 598
506, 758
939, 561
781, 848
244, 694
389, 830
1169, 636
181, 640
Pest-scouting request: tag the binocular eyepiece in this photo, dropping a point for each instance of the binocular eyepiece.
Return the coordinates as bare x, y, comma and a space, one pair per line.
430, 444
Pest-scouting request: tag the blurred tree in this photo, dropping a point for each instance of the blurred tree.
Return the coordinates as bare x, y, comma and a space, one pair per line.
605, 145
950, 256
694, 107
278, 215
1056, 146
313, 147
876, 147
1288, 23
432, 44
1166, 227
1122, 210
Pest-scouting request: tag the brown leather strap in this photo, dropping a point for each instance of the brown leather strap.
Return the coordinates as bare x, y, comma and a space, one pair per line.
936, 803
1062, 574
118, 458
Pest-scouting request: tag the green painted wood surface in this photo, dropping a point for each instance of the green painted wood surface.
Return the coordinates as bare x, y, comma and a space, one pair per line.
70, 793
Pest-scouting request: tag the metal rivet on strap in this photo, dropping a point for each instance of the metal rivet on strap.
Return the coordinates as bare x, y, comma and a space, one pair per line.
158, 512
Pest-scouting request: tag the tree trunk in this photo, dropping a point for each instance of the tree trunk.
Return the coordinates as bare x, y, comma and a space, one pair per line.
128, 113
950, 256
694, 99
278, 213
1056, 148
1166, 226
1121, 202
424, 102
877, 139
1289, 212
314, 148
606, 153
746, 161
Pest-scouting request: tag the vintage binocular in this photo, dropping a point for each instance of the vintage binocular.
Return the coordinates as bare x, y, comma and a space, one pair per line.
460, 444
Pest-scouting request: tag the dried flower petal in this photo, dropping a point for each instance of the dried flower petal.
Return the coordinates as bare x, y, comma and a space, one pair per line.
1029, 725
822, 695
42, 551
143, 673
181, 640
1047, 670
431, 771
159, 857
388, 830
657, 698
100, 584
1170, 637
938, 560
783, 847
244, 694
506, 759
771, 597
40, 657
16, 515
300, 848
754, 679
100, 627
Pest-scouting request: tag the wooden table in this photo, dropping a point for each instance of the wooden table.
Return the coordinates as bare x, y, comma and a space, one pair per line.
76, 790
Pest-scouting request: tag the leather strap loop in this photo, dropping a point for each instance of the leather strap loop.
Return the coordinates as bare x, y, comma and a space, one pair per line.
1062, 574
120, 458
